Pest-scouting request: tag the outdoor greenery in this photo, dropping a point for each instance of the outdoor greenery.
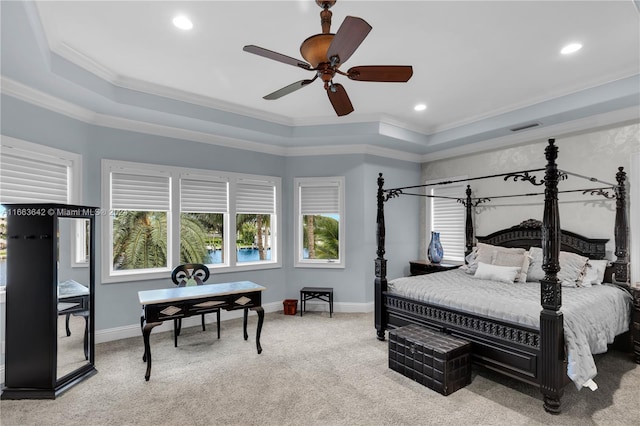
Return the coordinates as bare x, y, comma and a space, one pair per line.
321, 237
140, 238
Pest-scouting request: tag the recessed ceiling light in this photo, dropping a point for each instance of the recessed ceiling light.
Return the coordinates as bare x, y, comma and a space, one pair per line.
182, 22
571, 48
420, 107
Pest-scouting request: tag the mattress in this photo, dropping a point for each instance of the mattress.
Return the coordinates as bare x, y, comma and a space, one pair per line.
593, 316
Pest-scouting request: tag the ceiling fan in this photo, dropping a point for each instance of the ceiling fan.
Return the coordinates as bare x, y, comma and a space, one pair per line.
325, 52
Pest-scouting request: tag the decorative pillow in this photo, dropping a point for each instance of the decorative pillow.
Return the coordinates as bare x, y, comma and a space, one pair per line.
486, 253
505, 274
594, 273
572, 267
471, 265
513, 258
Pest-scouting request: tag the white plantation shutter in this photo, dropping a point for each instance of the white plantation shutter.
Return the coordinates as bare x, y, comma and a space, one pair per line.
29, 178
140, 192
255, 197
203, 196
448, 218
320, 199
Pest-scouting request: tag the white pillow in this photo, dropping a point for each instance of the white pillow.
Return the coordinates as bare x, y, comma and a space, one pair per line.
505, 274
486, 253
513, 258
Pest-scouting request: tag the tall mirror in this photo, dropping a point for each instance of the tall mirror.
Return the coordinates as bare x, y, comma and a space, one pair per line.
73, 294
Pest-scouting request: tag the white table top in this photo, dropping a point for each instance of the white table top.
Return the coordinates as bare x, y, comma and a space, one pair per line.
150, 297
71, 288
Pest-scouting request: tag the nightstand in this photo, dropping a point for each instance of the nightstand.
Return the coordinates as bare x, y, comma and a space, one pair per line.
635, 324
421, 267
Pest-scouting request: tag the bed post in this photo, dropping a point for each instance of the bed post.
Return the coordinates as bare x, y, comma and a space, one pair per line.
381, 266
551, 319
621, 231
468, 227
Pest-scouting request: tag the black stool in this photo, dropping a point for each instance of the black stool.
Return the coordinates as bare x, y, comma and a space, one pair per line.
322, 293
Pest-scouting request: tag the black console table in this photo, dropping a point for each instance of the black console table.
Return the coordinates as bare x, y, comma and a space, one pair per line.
181, 302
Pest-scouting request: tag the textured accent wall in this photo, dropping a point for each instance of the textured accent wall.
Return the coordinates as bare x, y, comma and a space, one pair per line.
597, 154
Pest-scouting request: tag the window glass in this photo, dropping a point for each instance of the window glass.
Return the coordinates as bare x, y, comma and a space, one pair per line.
253, 238
202, 238
139, 239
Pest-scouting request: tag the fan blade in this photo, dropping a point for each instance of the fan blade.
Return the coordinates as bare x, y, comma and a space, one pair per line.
276, 56
288, 89
349, 36
384, 73
339, 99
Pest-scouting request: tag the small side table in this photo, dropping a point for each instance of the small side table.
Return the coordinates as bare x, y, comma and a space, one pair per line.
322, 293
421, 267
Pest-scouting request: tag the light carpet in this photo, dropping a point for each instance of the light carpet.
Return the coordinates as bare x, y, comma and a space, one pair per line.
314, 370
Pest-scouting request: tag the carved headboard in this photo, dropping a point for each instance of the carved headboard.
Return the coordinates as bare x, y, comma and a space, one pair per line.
529, 234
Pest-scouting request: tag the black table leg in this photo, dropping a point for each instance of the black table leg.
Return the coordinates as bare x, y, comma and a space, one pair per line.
146, 331
66, 322
244, 323
260, 311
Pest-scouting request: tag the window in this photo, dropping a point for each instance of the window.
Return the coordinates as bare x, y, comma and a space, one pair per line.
162, 216
447, 216
139, 212
33, 173
319, 212
203, 213
255, 208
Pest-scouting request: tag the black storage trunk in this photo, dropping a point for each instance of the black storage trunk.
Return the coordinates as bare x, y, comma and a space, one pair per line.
437, 360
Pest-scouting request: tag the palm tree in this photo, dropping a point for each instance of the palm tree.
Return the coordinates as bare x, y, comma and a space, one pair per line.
310, 236
255, 225
326, 239
140, 240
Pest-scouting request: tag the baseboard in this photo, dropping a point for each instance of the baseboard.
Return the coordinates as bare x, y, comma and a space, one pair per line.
133, 330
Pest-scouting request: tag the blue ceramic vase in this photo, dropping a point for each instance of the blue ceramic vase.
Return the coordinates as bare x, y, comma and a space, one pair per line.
434, 251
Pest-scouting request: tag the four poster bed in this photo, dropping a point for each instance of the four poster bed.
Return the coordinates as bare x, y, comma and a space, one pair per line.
520, 329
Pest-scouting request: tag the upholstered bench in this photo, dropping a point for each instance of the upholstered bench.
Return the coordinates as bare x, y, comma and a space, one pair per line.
437, 360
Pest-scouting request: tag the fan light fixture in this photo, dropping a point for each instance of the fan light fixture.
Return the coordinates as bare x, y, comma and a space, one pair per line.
182, 22
325, 52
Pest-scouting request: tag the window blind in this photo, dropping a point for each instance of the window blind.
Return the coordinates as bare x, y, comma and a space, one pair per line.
140, 192
202, 196
319, 199
447, 218
27, 179
255, 198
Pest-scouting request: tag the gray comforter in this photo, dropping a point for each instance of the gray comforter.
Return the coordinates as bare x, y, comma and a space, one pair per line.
593, 316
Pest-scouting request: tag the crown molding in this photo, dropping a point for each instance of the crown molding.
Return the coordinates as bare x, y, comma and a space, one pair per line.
49, 102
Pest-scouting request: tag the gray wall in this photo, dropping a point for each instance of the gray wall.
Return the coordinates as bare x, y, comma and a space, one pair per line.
117, 303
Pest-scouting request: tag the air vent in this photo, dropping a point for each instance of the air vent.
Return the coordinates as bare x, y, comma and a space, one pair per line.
525, 127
